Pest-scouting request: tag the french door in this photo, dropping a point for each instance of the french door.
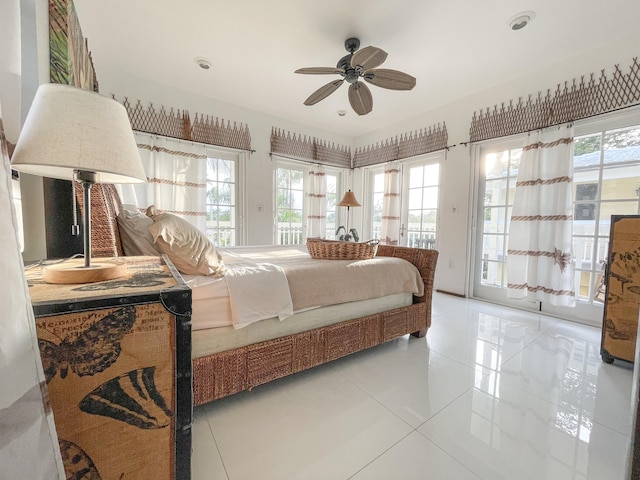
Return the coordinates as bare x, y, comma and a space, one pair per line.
606, 181
419, 198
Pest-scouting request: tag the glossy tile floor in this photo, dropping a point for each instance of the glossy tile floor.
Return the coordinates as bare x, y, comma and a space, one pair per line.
491, 393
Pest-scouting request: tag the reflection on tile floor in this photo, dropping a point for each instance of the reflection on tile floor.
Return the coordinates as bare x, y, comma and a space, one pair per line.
492, 393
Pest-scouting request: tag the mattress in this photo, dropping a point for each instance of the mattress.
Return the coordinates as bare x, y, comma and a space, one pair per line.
213, 340
210, 303
277, 281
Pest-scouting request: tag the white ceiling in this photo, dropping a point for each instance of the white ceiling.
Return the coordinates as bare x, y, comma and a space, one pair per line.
453, 47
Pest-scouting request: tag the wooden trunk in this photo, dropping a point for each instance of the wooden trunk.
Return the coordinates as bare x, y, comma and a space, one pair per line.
622, 303
117, 359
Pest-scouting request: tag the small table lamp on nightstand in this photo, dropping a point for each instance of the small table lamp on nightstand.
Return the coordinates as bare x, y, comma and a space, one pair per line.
349, 200
76, 134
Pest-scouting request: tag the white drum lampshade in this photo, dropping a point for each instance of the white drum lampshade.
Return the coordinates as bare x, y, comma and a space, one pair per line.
76, 134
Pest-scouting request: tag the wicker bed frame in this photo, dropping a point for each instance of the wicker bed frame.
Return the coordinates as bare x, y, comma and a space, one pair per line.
224, 373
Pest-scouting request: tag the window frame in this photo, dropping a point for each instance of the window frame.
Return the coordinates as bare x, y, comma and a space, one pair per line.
305, 168
434, 158
369, 229
239, 160
405, 166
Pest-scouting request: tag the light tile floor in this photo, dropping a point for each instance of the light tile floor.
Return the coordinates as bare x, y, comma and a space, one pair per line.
491, 393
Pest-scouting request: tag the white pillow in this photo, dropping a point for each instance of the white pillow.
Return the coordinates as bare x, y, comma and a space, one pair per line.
134, 233
187, 247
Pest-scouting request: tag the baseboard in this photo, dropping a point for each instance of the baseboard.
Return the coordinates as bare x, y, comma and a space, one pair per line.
451, 293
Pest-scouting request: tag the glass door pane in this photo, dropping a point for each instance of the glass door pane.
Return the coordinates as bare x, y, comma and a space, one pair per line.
419, 217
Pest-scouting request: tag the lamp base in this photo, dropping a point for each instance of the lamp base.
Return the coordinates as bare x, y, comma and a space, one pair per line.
74, 271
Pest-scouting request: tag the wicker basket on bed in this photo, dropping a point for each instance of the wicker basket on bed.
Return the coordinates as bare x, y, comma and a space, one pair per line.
338, 250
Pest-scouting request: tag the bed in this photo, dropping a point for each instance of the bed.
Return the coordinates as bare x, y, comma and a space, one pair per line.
228, 358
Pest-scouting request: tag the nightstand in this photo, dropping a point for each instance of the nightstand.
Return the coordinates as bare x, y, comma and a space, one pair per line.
117, 359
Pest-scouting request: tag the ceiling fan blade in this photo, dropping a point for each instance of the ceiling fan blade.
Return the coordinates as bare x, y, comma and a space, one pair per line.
320, 70
368, 57
360, 98
323, 92
392, 79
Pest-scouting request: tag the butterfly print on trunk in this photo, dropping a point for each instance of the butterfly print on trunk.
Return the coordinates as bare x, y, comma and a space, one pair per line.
94, 350
77, 464
131, 398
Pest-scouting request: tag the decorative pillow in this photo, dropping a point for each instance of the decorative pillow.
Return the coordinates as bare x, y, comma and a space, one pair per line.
187, 247
134, 233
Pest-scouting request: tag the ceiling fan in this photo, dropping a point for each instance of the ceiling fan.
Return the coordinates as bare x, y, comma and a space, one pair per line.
359, 65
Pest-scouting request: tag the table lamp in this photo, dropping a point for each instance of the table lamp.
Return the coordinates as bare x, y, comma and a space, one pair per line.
349, 200
76, 134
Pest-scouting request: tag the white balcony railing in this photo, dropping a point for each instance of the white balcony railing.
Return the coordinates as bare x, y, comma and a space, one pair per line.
221, 236
292, 234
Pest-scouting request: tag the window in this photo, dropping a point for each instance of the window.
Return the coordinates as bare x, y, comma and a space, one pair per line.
221, 210
333, 180
500, 171
419, 203
420, 217
291, 201
606, 178
377, 196
289, 205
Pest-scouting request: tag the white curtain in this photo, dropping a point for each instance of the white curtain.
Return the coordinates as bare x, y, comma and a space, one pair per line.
176, 178
317, 203
28, 440
390, 231
539, 261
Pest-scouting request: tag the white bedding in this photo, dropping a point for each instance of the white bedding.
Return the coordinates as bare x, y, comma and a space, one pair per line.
276, 281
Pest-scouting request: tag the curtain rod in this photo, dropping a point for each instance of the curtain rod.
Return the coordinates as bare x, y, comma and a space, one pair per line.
306, 160
410, 157
194, 141
315, 162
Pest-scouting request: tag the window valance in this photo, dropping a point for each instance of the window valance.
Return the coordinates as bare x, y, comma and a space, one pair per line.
410, 144
178, 124
576, 100
309, 149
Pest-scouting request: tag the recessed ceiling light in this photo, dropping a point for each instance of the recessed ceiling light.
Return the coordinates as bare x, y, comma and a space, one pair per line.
521, 20
203, 63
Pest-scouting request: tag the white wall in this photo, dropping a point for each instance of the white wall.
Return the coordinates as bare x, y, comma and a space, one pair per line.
10, 67
24, 64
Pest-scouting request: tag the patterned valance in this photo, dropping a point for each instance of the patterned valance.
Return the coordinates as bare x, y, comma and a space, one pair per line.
309, 149
408, 145
178, 124
576, 100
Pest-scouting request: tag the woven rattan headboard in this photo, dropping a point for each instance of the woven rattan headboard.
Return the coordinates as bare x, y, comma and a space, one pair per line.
105, 206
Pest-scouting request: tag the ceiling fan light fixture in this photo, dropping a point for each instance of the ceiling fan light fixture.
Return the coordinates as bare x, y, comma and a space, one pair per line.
521, 20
